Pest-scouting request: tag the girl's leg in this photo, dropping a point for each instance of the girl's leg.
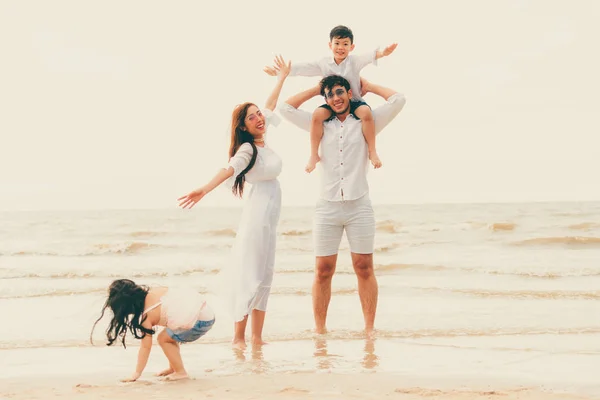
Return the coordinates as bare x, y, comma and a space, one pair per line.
258, 321
239, 338
166, 372
368, 126
172, 351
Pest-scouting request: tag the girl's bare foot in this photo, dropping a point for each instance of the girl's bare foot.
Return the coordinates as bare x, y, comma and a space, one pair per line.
239, 344
312, 163
165, 372
177, 376
375, 160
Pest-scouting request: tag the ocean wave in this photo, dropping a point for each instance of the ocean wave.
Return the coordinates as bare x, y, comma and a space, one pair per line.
585, 226
522, 294
387, 226
102, 274
222, 232
64, 292
97, 250
147, 234
573, 241
502, 226
387, 247
294, 232
308, 334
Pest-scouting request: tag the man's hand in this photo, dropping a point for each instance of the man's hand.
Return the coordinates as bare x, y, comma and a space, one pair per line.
134, 377
364, 86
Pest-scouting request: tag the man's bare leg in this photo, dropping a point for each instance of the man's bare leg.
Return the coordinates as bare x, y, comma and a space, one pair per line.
321, 290
368, 289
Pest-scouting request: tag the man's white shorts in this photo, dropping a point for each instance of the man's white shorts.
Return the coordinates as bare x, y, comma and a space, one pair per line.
356, 217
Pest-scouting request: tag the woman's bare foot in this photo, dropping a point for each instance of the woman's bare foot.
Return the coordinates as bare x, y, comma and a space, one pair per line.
165, 372
312, 163
375, 159
239, 344
258, 342
177, 376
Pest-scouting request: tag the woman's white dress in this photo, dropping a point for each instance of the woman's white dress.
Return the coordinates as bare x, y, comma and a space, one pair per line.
250, 273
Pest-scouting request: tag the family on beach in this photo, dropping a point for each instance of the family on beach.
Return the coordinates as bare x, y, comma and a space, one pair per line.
345, 129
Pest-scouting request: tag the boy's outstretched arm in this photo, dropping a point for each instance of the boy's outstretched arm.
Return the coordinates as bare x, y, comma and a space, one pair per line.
386, 52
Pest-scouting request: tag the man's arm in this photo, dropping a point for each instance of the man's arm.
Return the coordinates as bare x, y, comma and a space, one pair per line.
290, 110
385, 113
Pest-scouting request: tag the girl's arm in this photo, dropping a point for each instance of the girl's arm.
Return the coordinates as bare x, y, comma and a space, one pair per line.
284, 71
143, 355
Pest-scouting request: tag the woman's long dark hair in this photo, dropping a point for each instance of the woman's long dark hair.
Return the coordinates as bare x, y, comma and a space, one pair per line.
126, 301
240, 136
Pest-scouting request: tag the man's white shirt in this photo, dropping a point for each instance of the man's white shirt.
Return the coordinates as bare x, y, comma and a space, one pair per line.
344, 152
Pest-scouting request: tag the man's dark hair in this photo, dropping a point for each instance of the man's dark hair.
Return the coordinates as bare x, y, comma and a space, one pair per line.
341, 32
329, 82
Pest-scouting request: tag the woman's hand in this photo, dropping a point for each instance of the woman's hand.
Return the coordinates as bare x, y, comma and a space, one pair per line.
280, 68
190, 199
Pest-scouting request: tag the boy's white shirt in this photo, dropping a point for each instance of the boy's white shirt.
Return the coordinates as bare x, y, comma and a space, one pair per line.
349, 68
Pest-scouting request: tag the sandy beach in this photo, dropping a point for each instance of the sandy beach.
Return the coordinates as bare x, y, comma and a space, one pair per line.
282, 386
475, 302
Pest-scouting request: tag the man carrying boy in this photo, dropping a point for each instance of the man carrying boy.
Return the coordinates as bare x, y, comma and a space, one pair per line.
344, 202
341, 43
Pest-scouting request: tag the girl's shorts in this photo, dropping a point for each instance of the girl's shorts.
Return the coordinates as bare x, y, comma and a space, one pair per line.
199, 329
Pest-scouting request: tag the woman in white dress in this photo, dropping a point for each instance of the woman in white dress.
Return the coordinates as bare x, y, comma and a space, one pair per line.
250, 274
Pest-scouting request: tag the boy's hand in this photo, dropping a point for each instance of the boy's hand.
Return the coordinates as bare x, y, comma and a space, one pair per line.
390, 49
133, 377
387, 51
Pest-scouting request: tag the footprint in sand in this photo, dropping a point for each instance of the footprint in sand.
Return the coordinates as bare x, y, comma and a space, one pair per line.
291, 389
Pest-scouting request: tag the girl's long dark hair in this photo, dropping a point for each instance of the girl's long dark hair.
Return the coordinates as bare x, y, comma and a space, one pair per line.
240, 136
126, 301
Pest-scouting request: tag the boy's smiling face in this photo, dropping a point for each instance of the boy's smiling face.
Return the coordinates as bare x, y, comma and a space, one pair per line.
341, 47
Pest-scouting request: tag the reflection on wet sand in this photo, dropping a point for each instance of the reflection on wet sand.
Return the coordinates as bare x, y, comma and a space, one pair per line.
258, 364
370, 359
325, 361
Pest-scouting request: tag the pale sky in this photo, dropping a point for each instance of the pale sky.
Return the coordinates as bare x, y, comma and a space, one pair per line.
126, 104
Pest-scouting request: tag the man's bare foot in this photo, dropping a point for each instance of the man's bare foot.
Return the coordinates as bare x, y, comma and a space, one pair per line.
165, 372
312, 163
370, 333
321, 331
239, 344
258, 342
177, 376
375, 160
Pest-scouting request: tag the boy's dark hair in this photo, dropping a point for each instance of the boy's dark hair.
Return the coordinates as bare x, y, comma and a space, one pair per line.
329, 82
341, 32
